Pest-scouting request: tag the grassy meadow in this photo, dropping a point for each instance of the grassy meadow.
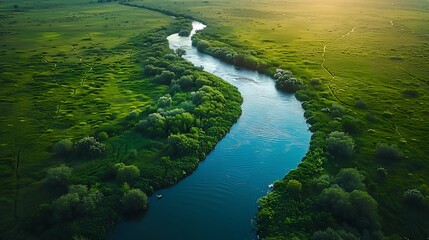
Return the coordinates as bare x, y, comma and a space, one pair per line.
371, 58
65, 70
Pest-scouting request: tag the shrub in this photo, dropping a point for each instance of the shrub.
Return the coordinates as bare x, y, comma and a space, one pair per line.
134, 201
361, 104
89, 147
128, 174
337, 110
184, 33
388, 152
165, 101
366, 216
339, 144
413, 197
165, 77
102, 136
63, 147
351, 124
202, 45
59, 176
180, 52
293, 186
323, 182
286, 82
186, 82
331, 234
381, 172
350, 179
78, 201
336, 200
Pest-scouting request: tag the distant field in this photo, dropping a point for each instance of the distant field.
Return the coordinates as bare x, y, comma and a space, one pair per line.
378, 52
65, 71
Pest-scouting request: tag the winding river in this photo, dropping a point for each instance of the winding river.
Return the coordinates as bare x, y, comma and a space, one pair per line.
219, 200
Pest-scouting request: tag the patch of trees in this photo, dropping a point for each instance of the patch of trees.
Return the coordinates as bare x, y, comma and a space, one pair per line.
286, 82
245, 59
340, 145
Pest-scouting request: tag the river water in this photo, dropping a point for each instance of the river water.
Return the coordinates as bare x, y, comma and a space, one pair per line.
219, 200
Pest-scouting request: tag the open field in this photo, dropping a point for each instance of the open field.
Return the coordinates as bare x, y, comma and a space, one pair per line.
376, 58
65, 71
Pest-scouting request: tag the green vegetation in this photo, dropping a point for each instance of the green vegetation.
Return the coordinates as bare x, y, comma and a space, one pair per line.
97, 115
364, 71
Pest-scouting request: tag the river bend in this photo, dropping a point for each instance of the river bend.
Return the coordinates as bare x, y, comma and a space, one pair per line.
219, 200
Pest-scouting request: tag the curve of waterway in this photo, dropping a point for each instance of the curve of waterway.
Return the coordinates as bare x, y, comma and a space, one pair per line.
219, 200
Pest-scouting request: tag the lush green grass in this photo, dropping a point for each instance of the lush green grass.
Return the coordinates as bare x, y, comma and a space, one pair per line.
378, 52
65, 71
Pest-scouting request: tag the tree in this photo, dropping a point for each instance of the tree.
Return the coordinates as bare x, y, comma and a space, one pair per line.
165, 77
413, 197
134, 201
286, 82
180, 52
350, 179
293, 186
165, 101
59, 176
365, 207
186, 82
336, 200
89, 147
203, 45
78, 201
340, 145
128, 174
388, 152
63, 147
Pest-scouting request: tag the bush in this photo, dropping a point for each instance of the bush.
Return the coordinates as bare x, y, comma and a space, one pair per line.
127, 174
180, 52
89, 147
102, 136
78, 201
165, 101
366, 216
286, 82
202, 45
381, 172
134, 201
331, 234
340, 145
59, 176
413, 197
388, 152
294, 186
350, 179
63, 147
351, 124
165, 77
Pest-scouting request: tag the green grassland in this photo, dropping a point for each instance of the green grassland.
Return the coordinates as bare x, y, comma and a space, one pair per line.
371, 58
65, 71
75, 69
